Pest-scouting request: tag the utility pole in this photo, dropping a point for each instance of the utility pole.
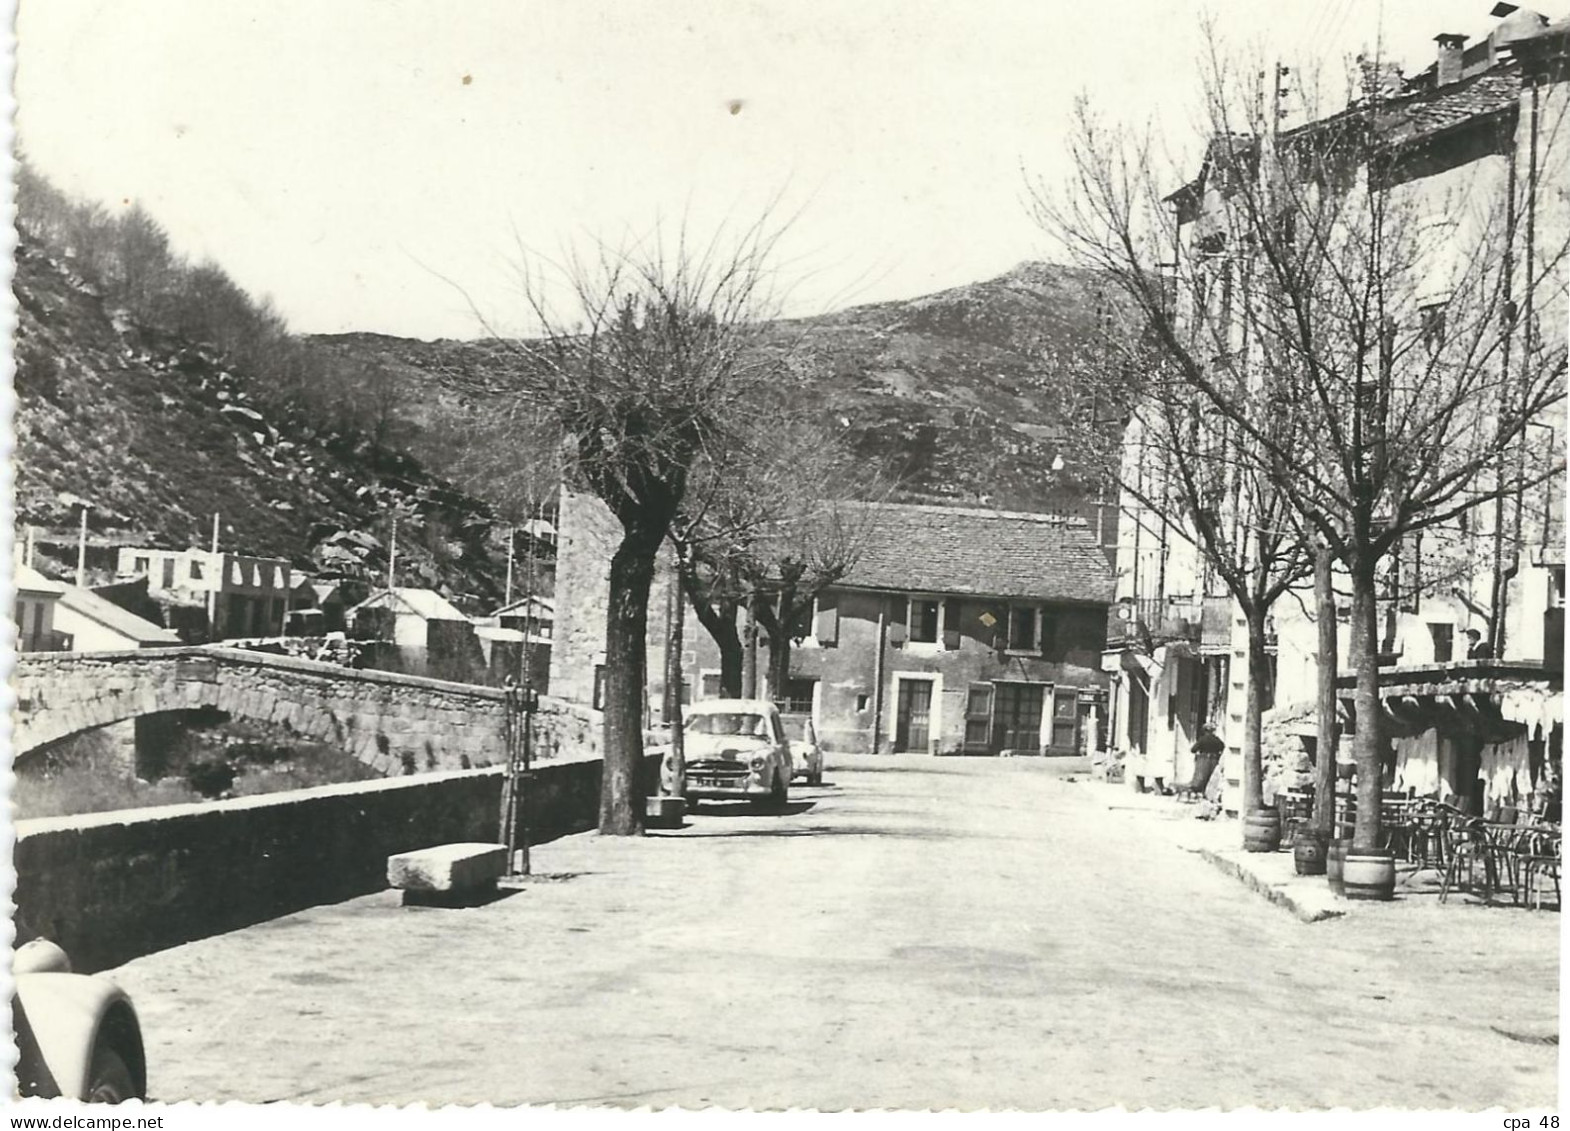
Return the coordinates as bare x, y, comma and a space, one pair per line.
392, 553
520, 704
81, 552
214, 582
512, 533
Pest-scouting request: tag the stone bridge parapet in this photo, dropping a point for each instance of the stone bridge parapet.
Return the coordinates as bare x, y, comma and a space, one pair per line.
389, 721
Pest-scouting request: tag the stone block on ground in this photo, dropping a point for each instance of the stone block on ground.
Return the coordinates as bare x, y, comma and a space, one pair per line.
449, 870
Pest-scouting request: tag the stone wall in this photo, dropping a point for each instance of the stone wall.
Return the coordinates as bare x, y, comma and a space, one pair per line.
110, 887
385, 720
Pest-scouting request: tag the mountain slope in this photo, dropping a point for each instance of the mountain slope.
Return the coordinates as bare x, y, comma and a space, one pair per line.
158, 434
948, 391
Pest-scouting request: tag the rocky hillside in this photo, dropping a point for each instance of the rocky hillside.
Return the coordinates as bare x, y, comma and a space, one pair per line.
950, 391
158, 434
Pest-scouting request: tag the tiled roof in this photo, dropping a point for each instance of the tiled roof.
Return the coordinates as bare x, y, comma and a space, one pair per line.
930, 549
1402, 120
86, 603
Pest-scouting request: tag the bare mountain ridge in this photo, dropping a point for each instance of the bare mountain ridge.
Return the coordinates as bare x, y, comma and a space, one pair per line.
950, 391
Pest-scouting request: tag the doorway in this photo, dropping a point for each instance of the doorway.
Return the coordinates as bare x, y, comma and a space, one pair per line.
913, 716
1016, 718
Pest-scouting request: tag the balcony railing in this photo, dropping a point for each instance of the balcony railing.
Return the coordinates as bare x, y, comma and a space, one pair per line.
1150, 622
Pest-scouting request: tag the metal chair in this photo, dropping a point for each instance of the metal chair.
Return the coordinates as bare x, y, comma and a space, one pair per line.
1540, 856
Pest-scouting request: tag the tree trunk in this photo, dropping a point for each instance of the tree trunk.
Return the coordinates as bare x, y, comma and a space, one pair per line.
1329, 725
1368, 738
749, 654
1253, 713
730, 662
779, 664
675, 641
626, 663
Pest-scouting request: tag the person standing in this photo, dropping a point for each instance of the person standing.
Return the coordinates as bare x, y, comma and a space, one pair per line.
1207, 750
1476, 647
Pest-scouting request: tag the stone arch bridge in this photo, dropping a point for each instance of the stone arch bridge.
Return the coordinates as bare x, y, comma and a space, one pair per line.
381, 718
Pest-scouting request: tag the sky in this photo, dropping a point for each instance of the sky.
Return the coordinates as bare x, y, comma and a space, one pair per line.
387, 165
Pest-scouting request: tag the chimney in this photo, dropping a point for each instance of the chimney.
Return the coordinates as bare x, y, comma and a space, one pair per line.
1449, 68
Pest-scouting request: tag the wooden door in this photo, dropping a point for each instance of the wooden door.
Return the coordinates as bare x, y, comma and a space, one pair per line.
913, 716
1065, 722
1016, 718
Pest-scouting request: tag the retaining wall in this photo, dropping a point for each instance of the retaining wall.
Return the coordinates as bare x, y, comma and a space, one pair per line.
110, 887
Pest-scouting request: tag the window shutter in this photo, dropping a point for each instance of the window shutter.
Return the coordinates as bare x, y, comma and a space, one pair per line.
951, 616
827, 627
899, 617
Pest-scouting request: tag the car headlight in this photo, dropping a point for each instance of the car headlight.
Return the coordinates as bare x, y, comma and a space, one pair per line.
759, 762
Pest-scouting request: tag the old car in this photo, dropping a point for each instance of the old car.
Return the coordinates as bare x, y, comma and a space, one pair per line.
735, 749
806, 752
77, 1035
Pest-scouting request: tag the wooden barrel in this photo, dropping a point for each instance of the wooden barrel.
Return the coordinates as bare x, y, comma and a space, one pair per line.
1262, 831
1369, 875
1309, 849
1335, 865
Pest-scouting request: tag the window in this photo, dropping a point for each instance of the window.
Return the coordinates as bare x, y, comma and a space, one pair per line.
1023, 629
1444, 641
798, 696
924, 620
143, 565
169, 573
709, 685
196, 570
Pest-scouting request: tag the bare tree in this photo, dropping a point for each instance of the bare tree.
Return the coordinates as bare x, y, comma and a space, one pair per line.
1133, 420
645, 375
769, 529
1378, 366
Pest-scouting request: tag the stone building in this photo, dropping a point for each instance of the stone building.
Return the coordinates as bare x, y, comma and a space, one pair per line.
244, 595
1478, 134
957, 631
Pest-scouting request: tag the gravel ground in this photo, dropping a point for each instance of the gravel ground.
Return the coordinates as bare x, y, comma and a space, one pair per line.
915, 933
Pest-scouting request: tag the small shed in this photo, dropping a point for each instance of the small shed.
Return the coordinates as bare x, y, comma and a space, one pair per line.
97, 624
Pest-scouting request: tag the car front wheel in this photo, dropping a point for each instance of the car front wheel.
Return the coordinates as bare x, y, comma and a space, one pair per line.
109, 1080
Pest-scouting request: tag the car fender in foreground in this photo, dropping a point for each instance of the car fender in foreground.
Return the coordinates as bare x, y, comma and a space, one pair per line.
63, 1020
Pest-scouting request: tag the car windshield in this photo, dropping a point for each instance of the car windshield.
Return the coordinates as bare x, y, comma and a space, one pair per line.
796, 727
727, 722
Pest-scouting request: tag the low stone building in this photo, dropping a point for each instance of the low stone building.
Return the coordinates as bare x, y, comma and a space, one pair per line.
958, 631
